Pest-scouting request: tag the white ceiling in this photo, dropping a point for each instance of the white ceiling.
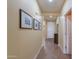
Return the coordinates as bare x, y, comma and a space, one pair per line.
53, 7
47, 18
50, 8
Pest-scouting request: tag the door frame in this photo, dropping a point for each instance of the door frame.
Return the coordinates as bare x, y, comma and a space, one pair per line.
68, 18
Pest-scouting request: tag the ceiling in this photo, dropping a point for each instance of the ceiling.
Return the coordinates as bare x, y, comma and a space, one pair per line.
53, 19
50, 7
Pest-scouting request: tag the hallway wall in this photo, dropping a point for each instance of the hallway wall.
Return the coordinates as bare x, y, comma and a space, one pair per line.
66, 7
61, 32
44, 32
22, 43
61, 22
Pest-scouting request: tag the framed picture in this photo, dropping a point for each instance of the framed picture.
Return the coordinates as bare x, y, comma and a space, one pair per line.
37, 25
26, 20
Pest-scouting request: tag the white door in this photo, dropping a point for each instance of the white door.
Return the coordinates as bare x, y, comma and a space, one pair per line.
50, 29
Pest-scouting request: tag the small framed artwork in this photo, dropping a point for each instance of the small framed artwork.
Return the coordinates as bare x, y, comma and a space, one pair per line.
35, 24
26, 20
39, 26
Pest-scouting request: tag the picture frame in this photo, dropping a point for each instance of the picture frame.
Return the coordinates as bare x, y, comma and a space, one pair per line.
37, 25
26, 20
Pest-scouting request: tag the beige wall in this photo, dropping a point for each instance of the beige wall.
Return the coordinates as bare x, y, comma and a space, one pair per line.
61, 22
44, 32
61, 31
66, 7
22, 43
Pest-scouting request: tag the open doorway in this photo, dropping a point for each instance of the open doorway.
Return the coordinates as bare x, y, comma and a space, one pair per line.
50, 30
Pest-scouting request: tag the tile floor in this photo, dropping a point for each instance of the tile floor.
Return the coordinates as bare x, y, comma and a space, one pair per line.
51, 51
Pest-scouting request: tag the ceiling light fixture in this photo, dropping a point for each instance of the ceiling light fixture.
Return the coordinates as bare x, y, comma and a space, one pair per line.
50, 0
50, 16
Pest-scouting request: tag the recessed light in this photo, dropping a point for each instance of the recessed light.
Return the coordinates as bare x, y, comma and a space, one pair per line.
50, 16
50, 0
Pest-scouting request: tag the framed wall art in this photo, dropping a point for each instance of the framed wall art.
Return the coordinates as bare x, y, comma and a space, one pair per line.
37, 25
26, 20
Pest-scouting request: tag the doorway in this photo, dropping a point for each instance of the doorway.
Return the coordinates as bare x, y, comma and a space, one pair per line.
68, 21
51, 30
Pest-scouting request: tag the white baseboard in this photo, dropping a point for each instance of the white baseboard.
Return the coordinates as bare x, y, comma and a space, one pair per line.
38, 52
12, 57
60, 48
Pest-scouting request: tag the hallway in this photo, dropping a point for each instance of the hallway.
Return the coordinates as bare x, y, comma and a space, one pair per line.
30, 22
51, 51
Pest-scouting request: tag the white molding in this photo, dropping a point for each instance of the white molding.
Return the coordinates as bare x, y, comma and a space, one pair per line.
38, 51
61, 48
12, 56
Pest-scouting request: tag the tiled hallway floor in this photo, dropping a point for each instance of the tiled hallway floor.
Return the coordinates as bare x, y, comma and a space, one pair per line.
51, 51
